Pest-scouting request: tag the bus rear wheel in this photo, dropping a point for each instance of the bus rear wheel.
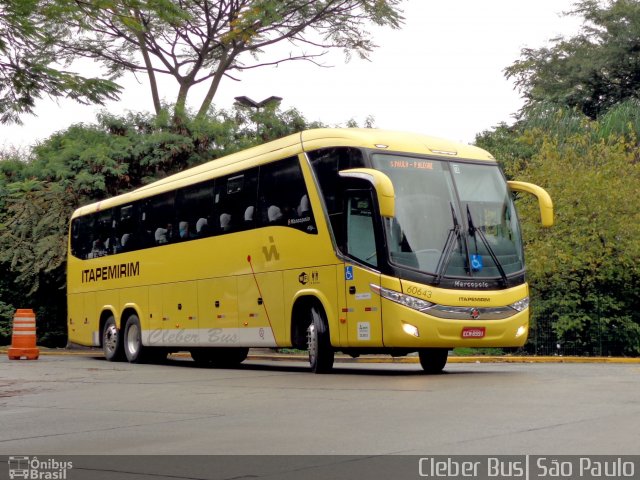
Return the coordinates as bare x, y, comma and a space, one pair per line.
220, 357
321, 353
133, 348
111, 341
433, 360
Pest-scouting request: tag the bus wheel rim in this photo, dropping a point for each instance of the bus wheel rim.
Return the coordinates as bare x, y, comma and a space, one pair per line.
312, 341
111, 338
133, 339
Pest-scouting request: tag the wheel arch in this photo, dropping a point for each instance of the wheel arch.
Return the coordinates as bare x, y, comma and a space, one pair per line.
127, 312
303, 302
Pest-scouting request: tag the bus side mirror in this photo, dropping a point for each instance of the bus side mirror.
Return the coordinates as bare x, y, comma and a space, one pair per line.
544, 199
381, 184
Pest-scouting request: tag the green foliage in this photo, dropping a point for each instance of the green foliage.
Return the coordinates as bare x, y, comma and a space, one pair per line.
578, 137
510, 148
201, 42
592, 71
514, 146
621, 119
473, 352
583, 271
29, 33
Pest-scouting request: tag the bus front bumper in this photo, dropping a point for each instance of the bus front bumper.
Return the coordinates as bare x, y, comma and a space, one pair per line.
404, 327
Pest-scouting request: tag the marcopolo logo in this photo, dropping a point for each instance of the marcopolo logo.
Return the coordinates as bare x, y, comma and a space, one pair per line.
37, 469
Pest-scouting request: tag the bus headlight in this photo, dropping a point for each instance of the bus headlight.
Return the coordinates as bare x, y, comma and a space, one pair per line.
520, 305
521, 331
401, 298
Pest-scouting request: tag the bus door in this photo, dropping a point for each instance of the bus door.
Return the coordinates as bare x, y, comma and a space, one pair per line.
363, 307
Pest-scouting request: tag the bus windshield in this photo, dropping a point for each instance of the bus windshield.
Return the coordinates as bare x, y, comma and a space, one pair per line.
452, 219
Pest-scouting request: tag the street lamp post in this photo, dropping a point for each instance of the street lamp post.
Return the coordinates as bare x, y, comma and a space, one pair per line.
250, 103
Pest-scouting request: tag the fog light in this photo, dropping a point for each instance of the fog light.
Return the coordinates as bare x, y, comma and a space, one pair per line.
521, 331
410, 329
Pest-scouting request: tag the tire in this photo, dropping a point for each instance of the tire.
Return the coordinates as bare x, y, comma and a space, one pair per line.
111, 341
321, 353
219, 356
433, 360
133, 348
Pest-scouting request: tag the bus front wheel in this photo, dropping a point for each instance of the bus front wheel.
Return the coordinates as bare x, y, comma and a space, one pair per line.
111, 341
321, 353
433, 360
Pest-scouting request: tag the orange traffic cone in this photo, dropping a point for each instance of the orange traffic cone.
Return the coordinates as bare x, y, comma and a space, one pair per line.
23, 340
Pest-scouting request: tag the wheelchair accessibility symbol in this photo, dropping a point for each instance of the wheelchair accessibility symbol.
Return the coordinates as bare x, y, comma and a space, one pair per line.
348, 272
476, 263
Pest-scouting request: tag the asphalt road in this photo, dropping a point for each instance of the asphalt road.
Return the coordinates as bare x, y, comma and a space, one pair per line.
71, 405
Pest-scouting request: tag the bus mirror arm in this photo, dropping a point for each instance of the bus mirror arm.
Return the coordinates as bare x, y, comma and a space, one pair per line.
381, 184
544, 199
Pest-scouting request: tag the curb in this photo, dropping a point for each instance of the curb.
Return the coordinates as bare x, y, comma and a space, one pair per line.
284, 357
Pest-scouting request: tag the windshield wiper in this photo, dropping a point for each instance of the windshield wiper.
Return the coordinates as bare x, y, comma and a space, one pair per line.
472, 231
454, 234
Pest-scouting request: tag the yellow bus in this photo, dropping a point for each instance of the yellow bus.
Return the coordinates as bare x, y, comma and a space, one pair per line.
360, 241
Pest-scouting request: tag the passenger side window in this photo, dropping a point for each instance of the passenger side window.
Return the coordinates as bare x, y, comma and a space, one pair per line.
195, 211
235, 201
158, 220
284, 199
82, 236
102, 235
326, 164
126, 235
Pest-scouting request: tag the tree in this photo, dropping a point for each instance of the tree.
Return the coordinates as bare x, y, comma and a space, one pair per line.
583, 272
29, 31
202, 41
591, 71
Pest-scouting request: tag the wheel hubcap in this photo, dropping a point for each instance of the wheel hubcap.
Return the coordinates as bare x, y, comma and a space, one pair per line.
133, 339
312, 341
111, 338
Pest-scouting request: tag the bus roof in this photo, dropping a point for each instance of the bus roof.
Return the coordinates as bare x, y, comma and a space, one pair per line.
308, 140
392, 141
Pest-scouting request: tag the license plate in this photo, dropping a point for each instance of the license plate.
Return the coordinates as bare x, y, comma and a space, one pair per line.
473, 332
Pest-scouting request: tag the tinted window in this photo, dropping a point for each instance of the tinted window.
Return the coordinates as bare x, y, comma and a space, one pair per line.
81, 234
228, 204
235, 201
159, 220
126, 235
284, 199
102, 239
195, 211
326, 164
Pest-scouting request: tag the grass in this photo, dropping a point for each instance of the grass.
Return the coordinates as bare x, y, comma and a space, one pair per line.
472, 352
